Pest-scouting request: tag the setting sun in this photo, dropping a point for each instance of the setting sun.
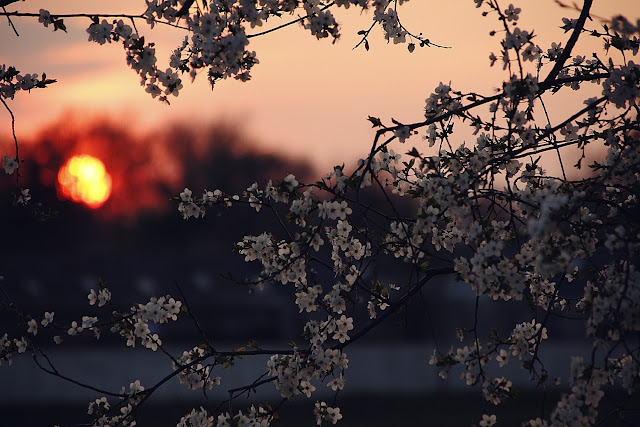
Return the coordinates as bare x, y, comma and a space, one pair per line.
84, 179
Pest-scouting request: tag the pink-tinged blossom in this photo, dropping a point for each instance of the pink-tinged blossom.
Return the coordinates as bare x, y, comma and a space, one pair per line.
74, 329
33, 327
45, 18
48, 319
511, 13
336, 383
100, 33
21, 345
403, 133
554, 51
27, 81
24, 196
487, 420
9, 164
323, 412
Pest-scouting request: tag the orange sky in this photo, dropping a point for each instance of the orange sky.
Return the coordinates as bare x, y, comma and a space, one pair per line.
308, 99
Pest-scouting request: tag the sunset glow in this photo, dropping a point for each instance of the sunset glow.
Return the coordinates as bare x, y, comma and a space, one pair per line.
84, 179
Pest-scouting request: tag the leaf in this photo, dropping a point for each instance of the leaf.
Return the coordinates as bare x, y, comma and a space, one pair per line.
375, 121
410, 164
578, 165
366, 45
414, 152
58, 24
44, 82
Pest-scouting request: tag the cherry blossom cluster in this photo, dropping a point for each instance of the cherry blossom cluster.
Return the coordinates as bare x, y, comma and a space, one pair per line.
12, 81
295, 374
135, 324
196, 375
218, 35
258, 417
194, 207
121, 413
326, 413
141, 57
482, 211
9, 347
526, 239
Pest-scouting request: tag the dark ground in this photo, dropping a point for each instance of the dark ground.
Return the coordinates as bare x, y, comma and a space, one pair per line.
371, 411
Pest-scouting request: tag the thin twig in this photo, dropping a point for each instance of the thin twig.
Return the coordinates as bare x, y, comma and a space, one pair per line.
15, 139
571, 42
95, 15
53, 371
195, 319
286, 24
11, 22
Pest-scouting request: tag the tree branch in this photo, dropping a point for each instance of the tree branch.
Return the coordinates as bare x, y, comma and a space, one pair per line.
571, 43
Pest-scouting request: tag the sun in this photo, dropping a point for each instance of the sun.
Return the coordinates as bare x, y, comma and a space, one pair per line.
84, 179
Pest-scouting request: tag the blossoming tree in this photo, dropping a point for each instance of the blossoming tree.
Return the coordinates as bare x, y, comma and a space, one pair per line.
485, 212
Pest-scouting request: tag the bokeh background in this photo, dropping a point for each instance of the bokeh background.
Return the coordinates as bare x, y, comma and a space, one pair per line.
304, 111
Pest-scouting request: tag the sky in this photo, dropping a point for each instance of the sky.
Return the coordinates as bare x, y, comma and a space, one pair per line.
308, 99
